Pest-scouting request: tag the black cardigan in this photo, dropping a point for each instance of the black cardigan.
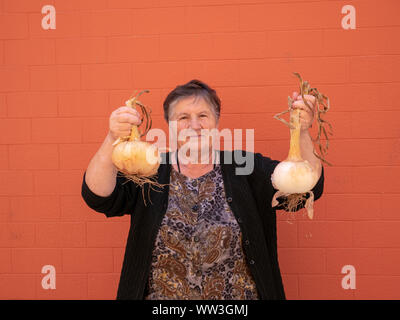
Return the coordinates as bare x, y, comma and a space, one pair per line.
249, 197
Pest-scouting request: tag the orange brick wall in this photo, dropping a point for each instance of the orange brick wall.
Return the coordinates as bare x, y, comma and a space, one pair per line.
58, 87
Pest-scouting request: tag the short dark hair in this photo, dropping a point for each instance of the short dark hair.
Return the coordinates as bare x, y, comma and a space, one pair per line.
194, 88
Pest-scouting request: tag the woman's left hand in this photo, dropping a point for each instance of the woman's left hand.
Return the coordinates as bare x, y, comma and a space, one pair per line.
306, 114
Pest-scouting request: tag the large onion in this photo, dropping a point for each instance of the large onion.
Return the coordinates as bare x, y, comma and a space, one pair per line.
294, 177
137, 160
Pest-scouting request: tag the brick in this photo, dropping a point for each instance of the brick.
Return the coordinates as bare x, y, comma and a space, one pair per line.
274, 149
4, 163
369, 41
289, 16
31, 157
34, 208
73, 208
3, 106
157, 75
5, 211
26, 6
16, 183
13, 235
389, 261
390, 152
175, 47
15, 131
353, 97
280, 43
361, 152
384, 125
29, 52
67, 25
353, 206
380, 179
118, 255
2, 52
223, 73
339, 180
87, 260
202, 3
63, 182
56, 235
323, 287
372, 13
107, 76
14, 78
323, 234
280, 71
375, 68
5, 258
366, 261
260, 99
32, 260
390, 206
133, 49
364, 96
302, 261
287, 234
68, 287
76, 156
80, 5
158, 21
32, 105
103, 286
376, 234
193, 70
128, 4
57, 130
377, 287
291, 285
60, 77
13, 26
95, 130
106, 23
17, 287
83, 104
107, 234
81, 50
264, 125
212, 19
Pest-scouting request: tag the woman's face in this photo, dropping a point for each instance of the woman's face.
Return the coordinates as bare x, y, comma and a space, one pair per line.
192, 115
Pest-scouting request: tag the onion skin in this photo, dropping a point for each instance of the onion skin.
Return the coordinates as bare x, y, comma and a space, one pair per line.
294, 176
136, 158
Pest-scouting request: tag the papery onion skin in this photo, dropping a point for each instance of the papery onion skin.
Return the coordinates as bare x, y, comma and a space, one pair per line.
294, 177
136, 158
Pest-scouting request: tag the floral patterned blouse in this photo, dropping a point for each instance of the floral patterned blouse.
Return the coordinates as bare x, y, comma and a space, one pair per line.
198, 251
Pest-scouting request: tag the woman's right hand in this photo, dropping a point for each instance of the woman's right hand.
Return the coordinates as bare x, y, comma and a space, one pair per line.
122, 120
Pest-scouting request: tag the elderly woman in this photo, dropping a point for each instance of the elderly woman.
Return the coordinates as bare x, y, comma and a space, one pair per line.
209, 233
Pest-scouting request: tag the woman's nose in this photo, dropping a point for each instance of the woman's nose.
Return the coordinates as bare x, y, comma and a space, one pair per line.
195, 123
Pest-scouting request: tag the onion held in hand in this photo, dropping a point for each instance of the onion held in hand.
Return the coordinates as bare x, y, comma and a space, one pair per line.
137, 160
294, 177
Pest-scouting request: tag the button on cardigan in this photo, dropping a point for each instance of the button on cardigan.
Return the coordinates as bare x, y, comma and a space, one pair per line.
250, 197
